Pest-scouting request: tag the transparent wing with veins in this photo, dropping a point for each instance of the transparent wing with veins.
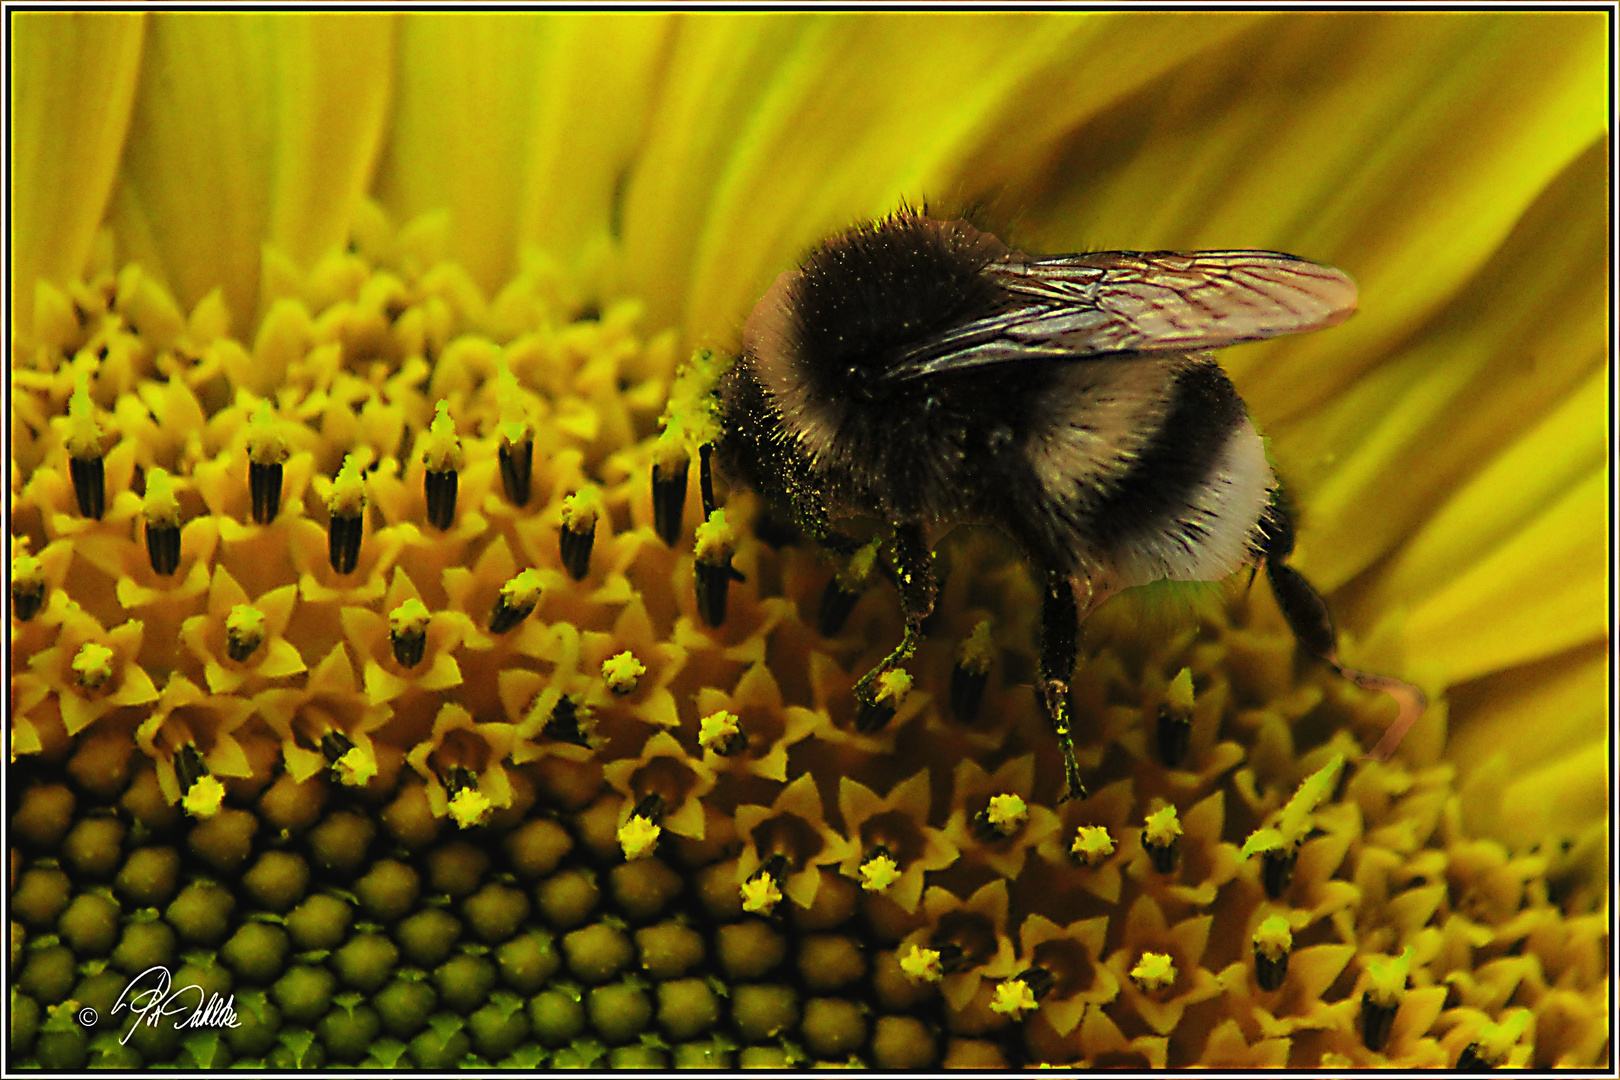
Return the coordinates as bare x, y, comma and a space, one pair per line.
1109, 302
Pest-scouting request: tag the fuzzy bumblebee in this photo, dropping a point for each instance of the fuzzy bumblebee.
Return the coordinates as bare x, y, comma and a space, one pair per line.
923, 374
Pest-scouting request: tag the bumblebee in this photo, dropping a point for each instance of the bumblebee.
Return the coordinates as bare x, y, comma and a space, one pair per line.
921, 373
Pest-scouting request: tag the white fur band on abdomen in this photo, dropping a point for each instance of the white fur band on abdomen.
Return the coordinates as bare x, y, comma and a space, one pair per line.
1208, 536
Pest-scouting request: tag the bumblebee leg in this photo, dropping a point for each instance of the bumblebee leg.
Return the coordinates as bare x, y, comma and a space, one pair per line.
914, 577
809, 514
1308, 617
1060, 631
1305, 611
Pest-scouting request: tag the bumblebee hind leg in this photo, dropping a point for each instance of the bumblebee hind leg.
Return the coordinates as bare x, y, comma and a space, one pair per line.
1060, 631
1308, 617
1302, 606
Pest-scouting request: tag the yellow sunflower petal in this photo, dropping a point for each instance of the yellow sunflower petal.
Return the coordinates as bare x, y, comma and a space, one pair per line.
248, 129
520, 126
73, 81
717, 69
1533, 714
1565, 447
1561, 798
1531, 326
333, 78
1359, 140
1538, 594
591, 107
1126, 52
862, 112
461, 111
1450, 187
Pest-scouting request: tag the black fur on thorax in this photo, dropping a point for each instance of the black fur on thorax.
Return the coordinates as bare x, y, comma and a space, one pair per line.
864, 295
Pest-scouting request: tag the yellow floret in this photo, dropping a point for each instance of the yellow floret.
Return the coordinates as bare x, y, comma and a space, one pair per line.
1386, 978
348, 497
522, 590
879, 872
205, 798
689, 417
1154, 971
922, 965
715, 539
670, 450
356, 767
893, 686
83, 437
1496, 1041
1273, 938
1006, 814
1294, 822
93, 664
159, 506
27, 571
761, 894
410, 618
1163, 826
638, 837
1262, 841
441, 449
245, 623
579, 511
265, 444
469, 807
622, 672
716, 729
1296, 816
1092, 844
514, 427
1012, 998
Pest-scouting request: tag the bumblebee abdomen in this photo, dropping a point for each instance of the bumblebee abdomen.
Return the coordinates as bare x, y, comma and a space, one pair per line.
1154, 467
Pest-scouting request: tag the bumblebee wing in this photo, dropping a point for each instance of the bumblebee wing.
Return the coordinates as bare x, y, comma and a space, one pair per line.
1108, 302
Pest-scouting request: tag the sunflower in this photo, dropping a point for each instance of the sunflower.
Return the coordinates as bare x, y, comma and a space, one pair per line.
357, 677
